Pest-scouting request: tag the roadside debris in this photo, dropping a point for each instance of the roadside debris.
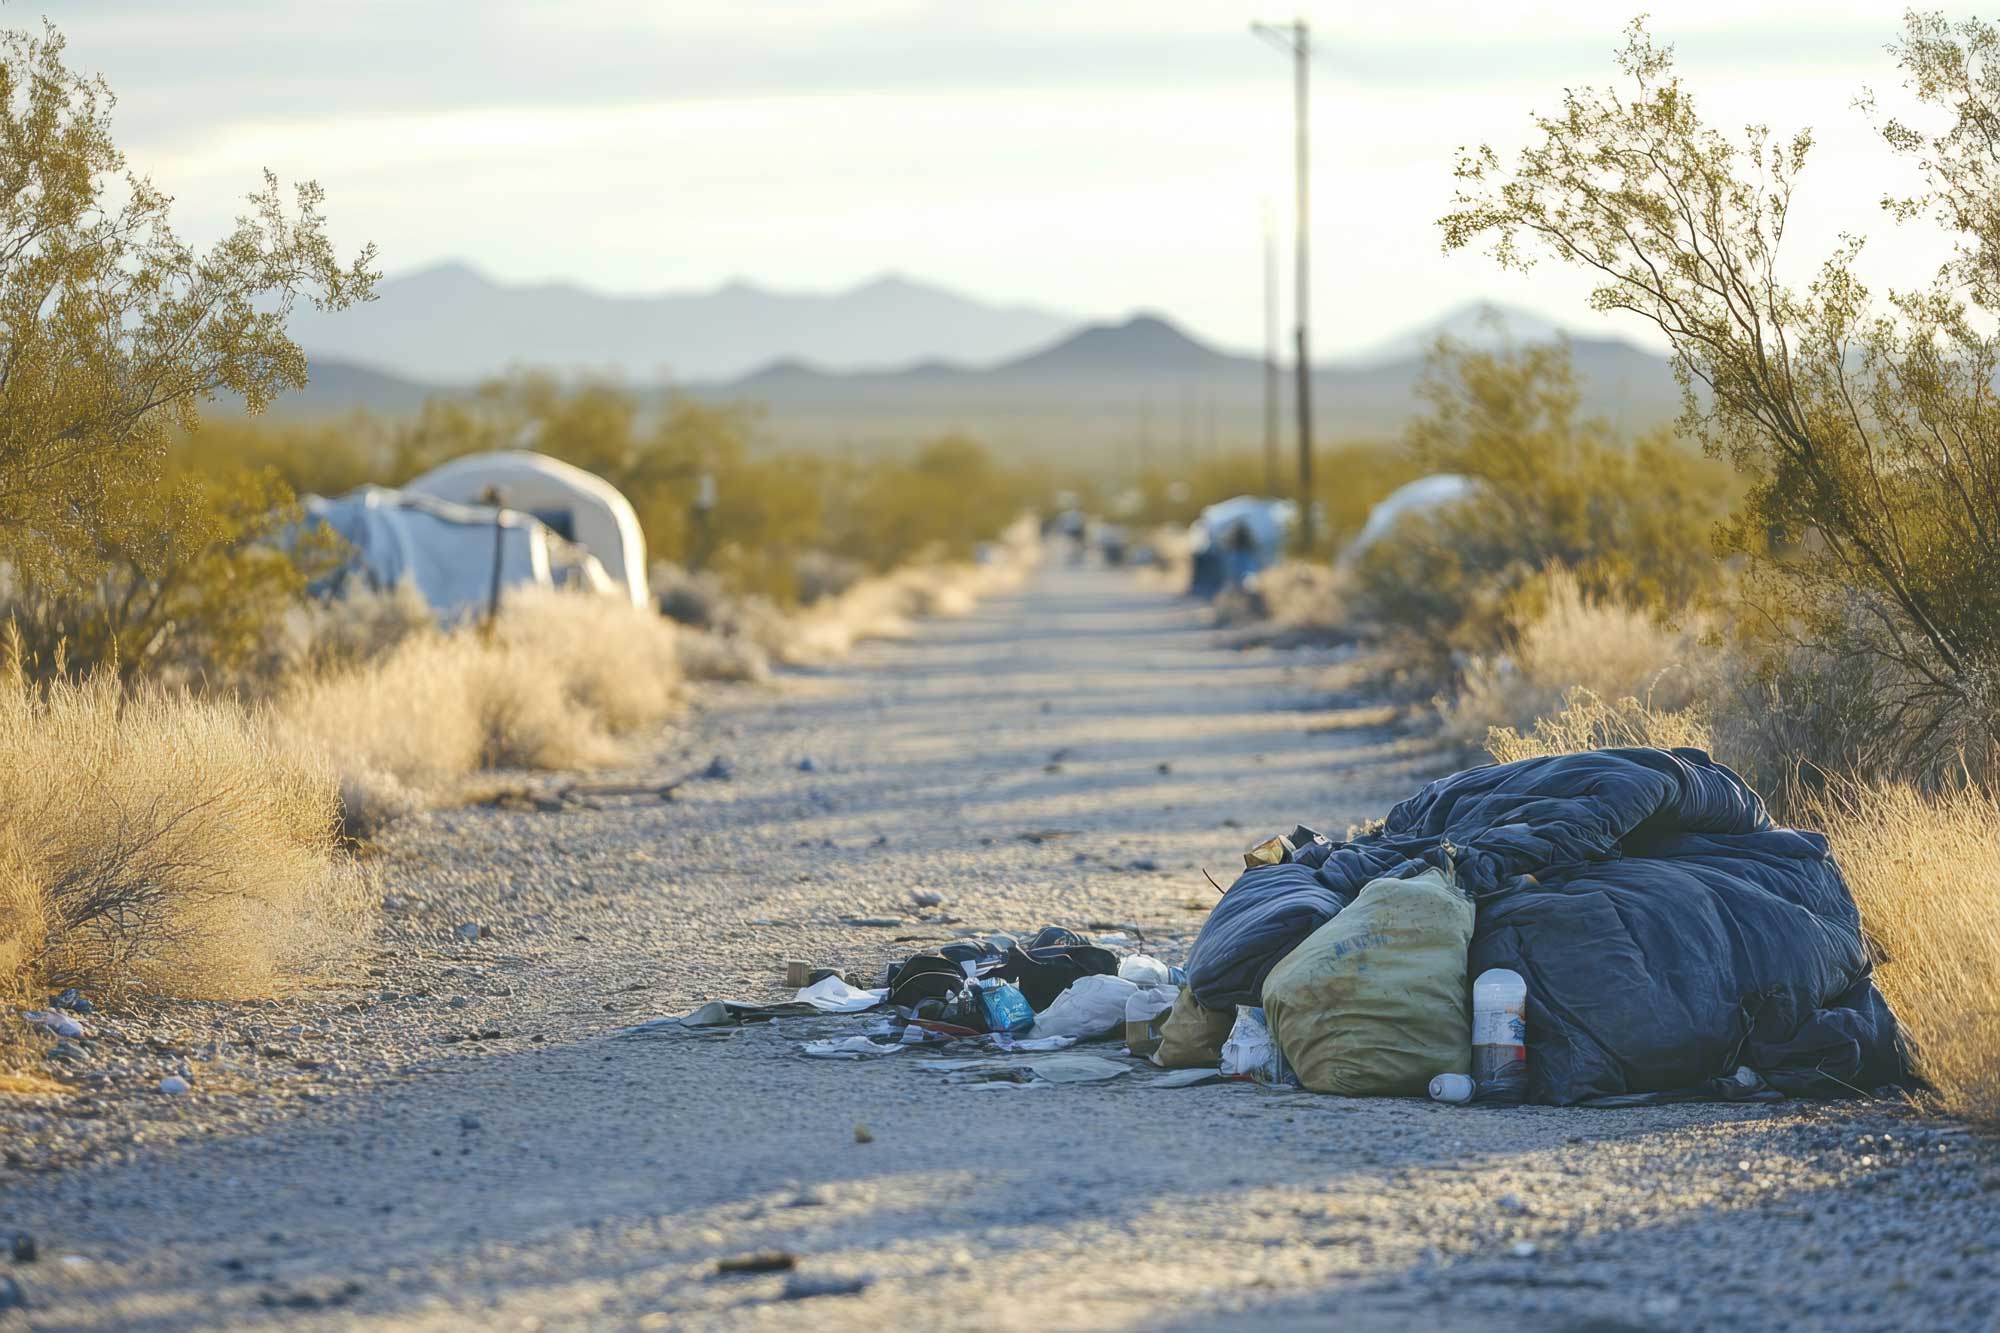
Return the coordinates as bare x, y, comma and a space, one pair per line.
57, 1022
1584, 892
767, 1261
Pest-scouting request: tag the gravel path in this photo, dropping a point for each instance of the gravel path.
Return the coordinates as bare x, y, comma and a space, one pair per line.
459, 1139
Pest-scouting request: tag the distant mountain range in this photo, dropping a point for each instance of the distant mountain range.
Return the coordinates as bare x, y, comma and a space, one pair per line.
1149, 390
1137, 390
452, 324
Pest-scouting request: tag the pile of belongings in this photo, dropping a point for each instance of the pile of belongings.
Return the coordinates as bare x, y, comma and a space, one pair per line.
998, 992
1674, 942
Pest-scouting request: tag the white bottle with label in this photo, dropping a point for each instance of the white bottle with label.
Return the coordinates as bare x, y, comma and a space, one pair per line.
1500, 1035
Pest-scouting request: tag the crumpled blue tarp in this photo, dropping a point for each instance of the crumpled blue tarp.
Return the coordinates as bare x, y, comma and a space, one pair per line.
1667, 930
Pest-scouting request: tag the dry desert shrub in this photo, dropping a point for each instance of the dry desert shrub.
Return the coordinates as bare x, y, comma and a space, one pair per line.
707, 656
1588, 721
1564, 639
559, 682
1296, 594
161, 843
1925, 871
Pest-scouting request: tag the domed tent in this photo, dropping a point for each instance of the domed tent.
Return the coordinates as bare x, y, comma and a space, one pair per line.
446, 551
576, 505
1426, 496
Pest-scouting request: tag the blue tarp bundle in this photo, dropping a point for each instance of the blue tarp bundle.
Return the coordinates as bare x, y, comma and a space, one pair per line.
1667, 930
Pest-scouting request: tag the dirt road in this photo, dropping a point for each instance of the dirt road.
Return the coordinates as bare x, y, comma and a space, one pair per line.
472, 1146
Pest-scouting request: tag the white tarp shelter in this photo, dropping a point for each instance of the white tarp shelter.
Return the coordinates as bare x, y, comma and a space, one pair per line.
1425, 495
579, 506
447, 550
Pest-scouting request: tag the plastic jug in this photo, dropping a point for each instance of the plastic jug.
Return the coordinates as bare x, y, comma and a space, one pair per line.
1500, 1035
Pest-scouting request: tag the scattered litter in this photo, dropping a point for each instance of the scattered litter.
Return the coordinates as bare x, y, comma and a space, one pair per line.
1250, 1053
1069, 1068
1092, 1007
173, 1085
1077, 1069
1455, 1089
23, 1248
1003, 1007
991, 1072
832, 995
1143, 970
861, 1134
883, 921
1187, 1078
57, 1022
800, 972
73, 1000
850, 1048
1500, 1034
1146, 1013
927, 897
1524, 1249
1001, 1041
718, 770
718, 1014
801, 1288
765, 1261
468, 931
806, 765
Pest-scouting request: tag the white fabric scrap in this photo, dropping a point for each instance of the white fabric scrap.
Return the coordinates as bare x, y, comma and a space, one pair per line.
832, 995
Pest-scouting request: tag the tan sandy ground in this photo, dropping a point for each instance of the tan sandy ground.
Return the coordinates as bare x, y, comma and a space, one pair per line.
546, 1174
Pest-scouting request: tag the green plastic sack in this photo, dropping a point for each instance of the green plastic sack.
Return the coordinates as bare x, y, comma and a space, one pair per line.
1375, 1002
1192, 1036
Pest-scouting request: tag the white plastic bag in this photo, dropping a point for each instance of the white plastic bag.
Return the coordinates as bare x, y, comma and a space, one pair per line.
1148, 1002
1144, 970
1145, 1014
1091, 1007
1251, 1053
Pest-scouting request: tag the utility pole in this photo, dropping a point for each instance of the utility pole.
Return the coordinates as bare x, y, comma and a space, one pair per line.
1296, 38
1270, 355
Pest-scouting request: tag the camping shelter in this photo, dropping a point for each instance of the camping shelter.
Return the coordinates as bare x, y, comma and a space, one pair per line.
446, 550
1426, 496
578, 506
1233, 539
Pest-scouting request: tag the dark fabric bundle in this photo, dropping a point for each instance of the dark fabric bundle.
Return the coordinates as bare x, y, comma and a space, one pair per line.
1667, 931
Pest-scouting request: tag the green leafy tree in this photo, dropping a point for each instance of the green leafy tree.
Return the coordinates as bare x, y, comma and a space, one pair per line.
1867, 432
113, 331
1631, 521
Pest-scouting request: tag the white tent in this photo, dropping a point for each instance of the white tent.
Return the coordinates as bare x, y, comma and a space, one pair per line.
1425, 495
446, 550
577, 505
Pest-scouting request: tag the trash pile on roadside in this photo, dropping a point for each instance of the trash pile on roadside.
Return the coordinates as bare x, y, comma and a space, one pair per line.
1621, 927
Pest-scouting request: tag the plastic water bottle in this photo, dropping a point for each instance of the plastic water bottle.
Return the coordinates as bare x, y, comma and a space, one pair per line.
1500, 1035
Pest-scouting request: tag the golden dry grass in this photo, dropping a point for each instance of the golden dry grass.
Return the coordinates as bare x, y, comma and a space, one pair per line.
161, 843
1586, 720
560, 682
1925, 871
1570, 640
